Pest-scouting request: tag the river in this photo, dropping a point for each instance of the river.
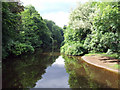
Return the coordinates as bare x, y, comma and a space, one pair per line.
53, 70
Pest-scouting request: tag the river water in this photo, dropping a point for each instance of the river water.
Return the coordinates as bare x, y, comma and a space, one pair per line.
52, 70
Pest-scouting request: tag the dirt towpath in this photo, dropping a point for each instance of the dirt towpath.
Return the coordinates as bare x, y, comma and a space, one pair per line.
103, 62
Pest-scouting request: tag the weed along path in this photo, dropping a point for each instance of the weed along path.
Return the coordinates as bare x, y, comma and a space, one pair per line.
104, 62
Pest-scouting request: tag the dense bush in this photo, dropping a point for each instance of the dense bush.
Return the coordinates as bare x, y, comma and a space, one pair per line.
105, 29
95, 26
18, 48
73, 48
76, 32
10, 24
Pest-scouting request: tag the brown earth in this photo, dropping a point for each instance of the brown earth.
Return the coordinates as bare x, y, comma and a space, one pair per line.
103, 62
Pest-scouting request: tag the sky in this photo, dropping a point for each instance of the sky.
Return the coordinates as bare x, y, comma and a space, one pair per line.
55, 10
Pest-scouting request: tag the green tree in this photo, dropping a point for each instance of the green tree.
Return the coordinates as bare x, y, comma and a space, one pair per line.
35, 31
77, 30
105, 31
10, 25
24, 30
93, 26
56, 32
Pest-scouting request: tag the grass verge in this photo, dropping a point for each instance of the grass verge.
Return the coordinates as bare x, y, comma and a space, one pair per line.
104, 54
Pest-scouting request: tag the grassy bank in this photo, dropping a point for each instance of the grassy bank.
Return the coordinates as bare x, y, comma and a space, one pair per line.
104, 54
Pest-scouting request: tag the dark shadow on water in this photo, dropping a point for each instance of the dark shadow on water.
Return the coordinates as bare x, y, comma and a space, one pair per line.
24, 71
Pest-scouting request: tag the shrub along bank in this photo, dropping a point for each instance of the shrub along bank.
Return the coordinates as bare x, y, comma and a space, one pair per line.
23, 30
93, 27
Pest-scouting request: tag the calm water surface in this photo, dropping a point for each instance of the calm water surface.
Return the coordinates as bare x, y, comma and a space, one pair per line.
52, 70
55, 76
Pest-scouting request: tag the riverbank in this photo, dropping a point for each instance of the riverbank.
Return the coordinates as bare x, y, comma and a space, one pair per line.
104, 62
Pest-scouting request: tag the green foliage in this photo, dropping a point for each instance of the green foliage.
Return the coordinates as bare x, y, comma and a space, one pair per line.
76, 32
95, 25
10, 24
24, 30
34, 30
17, 48
99, 42
56, 32
80, 21
115, 55
98, 54
105, 29
73, 48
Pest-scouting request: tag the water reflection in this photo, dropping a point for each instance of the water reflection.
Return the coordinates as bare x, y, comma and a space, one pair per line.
59, 62
55, 76
23, 72
50, 70
83, 75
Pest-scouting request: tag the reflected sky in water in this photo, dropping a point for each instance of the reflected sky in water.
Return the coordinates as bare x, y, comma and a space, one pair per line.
59, 62
49, 70
55, 76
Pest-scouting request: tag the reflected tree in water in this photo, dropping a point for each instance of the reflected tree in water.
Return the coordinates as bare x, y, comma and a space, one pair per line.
25, 71
81, 75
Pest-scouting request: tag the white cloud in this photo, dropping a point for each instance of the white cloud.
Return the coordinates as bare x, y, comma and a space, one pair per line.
42, 2
49, 1
45, 4
60, 18
55, 10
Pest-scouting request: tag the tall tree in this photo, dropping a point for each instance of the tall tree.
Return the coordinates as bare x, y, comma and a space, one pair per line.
35, 31
56, 32
10, 24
